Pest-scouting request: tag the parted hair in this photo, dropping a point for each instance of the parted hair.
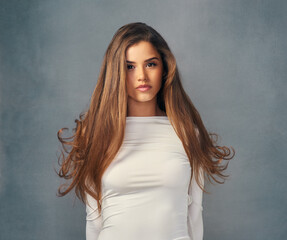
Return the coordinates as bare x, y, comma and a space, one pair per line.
99, 130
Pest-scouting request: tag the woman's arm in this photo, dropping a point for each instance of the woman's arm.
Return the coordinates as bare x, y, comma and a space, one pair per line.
93, 219
195, 222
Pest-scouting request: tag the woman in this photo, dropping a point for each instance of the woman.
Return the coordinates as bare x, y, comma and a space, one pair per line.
140, 153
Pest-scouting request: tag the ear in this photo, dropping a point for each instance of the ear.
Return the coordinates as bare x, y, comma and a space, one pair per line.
164, 74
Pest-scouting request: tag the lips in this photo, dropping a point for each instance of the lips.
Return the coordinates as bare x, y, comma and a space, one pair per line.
144, 86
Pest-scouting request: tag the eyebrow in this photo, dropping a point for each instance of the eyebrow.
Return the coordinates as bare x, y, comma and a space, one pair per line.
145, 60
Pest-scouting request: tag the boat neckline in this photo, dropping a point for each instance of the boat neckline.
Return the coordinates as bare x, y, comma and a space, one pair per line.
147, 117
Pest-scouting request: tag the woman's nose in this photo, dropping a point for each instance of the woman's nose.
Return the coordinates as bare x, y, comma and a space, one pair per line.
141, 74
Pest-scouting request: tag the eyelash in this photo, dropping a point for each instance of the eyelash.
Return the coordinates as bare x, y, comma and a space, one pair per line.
154, 64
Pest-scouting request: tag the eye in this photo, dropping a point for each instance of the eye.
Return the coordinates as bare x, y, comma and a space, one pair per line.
129, 67
151, 64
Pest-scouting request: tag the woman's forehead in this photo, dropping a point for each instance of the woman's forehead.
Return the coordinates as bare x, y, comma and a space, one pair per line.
141, 51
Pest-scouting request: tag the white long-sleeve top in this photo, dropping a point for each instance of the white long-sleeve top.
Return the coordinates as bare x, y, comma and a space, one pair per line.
146, 191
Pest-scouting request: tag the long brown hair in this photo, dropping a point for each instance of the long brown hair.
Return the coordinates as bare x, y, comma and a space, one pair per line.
99, 131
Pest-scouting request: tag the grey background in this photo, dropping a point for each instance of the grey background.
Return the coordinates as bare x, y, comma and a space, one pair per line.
232, 58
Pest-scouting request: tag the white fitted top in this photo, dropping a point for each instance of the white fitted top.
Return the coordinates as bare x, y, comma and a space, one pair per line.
146, 193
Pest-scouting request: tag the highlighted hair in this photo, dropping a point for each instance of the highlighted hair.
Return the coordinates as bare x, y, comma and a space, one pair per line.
99, 131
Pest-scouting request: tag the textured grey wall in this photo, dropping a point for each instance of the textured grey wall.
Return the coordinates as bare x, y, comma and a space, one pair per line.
232, 58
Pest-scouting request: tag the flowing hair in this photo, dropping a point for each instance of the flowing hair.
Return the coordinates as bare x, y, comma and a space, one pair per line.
99, 131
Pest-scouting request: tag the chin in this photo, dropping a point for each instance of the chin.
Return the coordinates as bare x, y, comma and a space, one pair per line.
144, 99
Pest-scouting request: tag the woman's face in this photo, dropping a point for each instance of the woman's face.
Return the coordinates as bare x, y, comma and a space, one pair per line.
144, 67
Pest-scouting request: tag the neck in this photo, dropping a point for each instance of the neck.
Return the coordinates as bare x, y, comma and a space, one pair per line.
144, 109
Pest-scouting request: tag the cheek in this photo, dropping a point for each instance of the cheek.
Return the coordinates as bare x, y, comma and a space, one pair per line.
129, 84
130, 79
158, 78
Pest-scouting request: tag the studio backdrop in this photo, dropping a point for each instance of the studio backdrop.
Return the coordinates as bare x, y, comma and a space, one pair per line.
232, 60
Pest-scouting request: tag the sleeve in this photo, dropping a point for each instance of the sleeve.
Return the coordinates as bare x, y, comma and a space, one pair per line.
195, 221
93, 219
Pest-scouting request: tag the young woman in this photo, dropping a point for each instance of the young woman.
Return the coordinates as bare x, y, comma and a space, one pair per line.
140, 153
